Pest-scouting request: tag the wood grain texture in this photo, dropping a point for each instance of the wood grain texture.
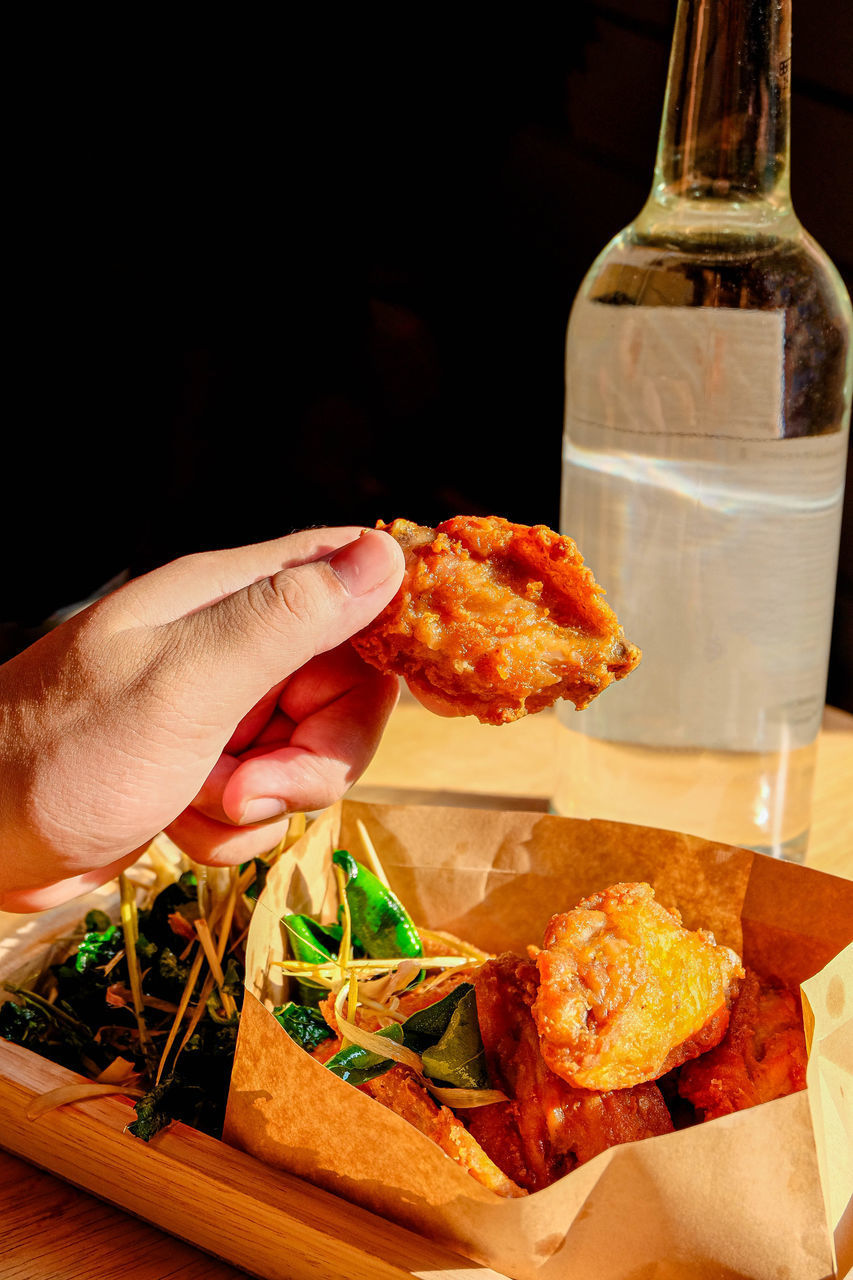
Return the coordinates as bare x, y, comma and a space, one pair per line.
219, 1199
86, 1239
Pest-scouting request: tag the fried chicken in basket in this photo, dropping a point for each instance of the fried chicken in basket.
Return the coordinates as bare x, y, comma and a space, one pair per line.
761, 1057
576, 1036
496, 620
547, 1128
626, 992
399, 1090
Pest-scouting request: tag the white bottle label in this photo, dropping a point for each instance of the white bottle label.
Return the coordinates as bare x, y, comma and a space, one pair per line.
678, 371
715, 539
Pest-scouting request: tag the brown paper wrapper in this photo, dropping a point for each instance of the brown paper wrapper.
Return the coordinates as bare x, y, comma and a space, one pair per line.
754, 1194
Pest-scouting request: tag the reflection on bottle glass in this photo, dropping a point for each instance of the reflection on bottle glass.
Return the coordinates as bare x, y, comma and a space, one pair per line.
708, 386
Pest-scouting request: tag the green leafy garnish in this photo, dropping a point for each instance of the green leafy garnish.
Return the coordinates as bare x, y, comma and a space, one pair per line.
168, 1101
458, 1057
446, 1036
306, 1026
80, 1016
426, 1027
98, 948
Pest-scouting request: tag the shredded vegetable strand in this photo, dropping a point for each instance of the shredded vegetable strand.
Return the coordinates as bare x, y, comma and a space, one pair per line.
77, 1093
186, 995
374, 967
246, 879
154, 1002
456, 1097
130, 929
111, 964
207, 988
345, 947
228, 916
240, 936
202, 928
373, 1043
118, 1070
202, 892
370, 854
386, 986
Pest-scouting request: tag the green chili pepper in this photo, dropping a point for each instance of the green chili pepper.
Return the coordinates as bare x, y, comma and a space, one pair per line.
379, 920
311, 942
357, 1065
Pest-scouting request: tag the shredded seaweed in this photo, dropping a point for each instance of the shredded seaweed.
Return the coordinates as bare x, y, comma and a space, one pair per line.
95, 1024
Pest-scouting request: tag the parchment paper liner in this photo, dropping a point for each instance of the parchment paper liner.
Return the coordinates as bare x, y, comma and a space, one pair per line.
741, 1196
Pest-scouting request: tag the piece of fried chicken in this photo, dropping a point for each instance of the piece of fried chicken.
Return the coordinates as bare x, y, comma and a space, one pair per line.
399, 1090
496, 620
761, 1057
403, 1093
626, 992
547, 1128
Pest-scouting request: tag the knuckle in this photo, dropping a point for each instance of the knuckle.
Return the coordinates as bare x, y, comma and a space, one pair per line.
285, 596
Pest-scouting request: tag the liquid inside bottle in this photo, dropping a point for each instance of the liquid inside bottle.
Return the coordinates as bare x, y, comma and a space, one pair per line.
708, 383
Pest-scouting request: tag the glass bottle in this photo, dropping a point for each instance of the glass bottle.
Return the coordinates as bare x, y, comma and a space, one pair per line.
708, 387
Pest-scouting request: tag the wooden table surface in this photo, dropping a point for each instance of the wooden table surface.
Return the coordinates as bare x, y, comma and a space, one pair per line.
52, 1231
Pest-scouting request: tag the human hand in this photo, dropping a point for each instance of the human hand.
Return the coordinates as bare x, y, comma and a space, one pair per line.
209, 699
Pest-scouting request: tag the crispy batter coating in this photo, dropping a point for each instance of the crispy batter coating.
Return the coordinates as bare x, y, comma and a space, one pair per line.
626, 992
548, 1128
399, 1090
761, 1057
496, 620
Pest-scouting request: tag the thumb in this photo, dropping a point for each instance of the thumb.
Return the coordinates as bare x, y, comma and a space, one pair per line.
254, 638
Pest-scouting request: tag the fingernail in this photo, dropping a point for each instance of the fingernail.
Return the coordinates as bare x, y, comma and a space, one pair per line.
365, 563
263, 809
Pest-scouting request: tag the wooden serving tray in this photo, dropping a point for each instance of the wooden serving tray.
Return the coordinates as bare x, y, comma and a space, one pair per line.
217, 1198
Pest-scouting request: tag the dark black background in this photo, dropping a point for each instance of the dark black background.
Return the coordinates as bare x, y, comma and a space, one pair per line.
269, 273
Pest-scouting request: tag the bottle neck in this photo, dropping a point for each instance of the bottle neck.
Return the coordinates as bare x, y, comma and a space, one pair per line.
725, 137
